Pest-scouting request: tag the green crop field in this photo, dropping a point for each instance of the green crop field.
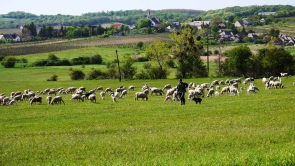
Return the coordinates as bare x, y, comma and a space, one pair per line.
255, 129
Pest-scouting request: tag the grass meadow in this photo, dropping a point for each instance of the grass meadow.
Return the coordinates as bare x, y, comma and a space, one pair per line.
256, 129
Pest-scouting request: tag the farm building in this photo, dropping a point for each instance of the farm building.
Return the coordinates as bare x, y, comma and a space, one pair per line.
2, 38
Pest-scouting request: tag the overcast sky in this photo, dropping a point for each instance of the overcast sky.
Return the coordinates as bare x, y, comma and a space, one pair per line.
72, 7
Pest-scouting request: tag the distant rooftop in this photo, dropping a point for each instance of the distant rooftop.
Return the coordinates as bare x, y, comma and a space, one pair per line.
266, 13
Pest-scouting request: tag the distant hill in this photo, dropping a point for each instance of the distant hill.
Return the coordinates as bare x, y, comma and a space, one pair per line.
237, 11
15, 19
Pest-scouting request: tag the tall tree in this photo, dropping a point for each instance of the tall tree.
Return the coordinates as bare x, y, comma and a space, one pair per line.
158, 52
239, 59
187, 50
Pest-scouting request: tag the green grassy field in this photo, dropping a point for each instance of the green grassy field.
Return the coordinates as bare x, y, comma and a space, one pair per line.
256, 129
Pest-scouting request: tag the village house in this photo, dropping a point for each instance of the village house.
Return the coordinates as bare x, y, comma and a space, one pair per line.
173, 25
244, 23
2, 38
199, 24
154, 21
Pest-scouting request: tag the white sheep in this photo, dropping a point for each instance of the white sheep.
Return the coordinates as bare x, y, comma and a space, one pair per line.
217, 94
156, 91
252, 89
167, 87
131, 87
17, 98
11, 102
175, 96
141, 95
124, 93
102, 94
48, 99
113, 97
57, 100
92, 97
168, 98
210, 92
77, 97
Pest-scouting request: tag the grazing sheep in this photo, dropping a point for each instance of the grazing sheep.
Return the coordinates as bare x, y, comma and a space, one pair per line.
217, 94
168, 98
264, 80
210, 92
5, 100
131, 87
102, 94
113, 97
156, 91
92, 97
109, 90
17, 98
48, 99
71, 90
124, 93
57, 100
35, 99
120, 89
141, 95
225, 90
293, 83
99, 88
52, 91
233, 91
217, 87
175, 96
77, 97
145, 87
284, 74
170, 91
11, 102
167, 87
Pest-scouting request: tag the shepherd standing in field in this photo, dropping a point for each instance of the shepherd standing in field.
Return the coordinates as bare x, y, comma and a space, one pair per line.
181, 89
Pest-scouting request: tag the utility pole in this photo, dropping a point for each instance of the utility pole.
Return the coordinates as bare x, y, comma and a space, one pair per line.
120, 77
208, 53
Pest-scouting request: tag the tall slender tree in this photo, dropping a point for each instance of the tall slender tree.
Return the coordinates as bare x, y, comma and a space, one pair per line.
188, 49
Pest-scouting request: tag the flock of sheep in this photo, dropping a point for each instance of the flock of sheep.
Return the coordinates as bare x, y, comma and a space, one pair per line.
231, 87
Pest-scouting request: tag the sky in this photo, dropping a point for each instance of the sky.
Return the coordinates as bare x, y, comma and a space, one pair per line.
79, 7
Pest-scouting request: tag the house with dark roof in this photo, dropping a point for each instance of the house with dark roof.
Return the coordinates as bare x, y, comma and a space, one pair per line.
244, 23
173, 25
154, 21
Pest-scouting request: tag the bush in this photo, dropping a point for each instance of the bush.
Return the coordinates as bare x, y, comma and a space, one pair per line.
95, 74
96, 59
77, 74
9, 62
80, 61
53, 78
40, 62
142, 59
216, 52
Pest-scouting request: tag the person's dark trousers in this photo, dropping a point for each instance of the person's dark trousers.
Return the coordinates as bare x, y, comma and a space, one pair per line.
182, 99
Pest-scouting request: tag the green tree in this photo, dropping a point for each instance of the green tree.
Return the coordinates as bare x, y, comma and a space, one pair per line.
139, 45
8, 62
127, 69
239, 59
187, 49
144, 23
158, 53
276, 60
216, 21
